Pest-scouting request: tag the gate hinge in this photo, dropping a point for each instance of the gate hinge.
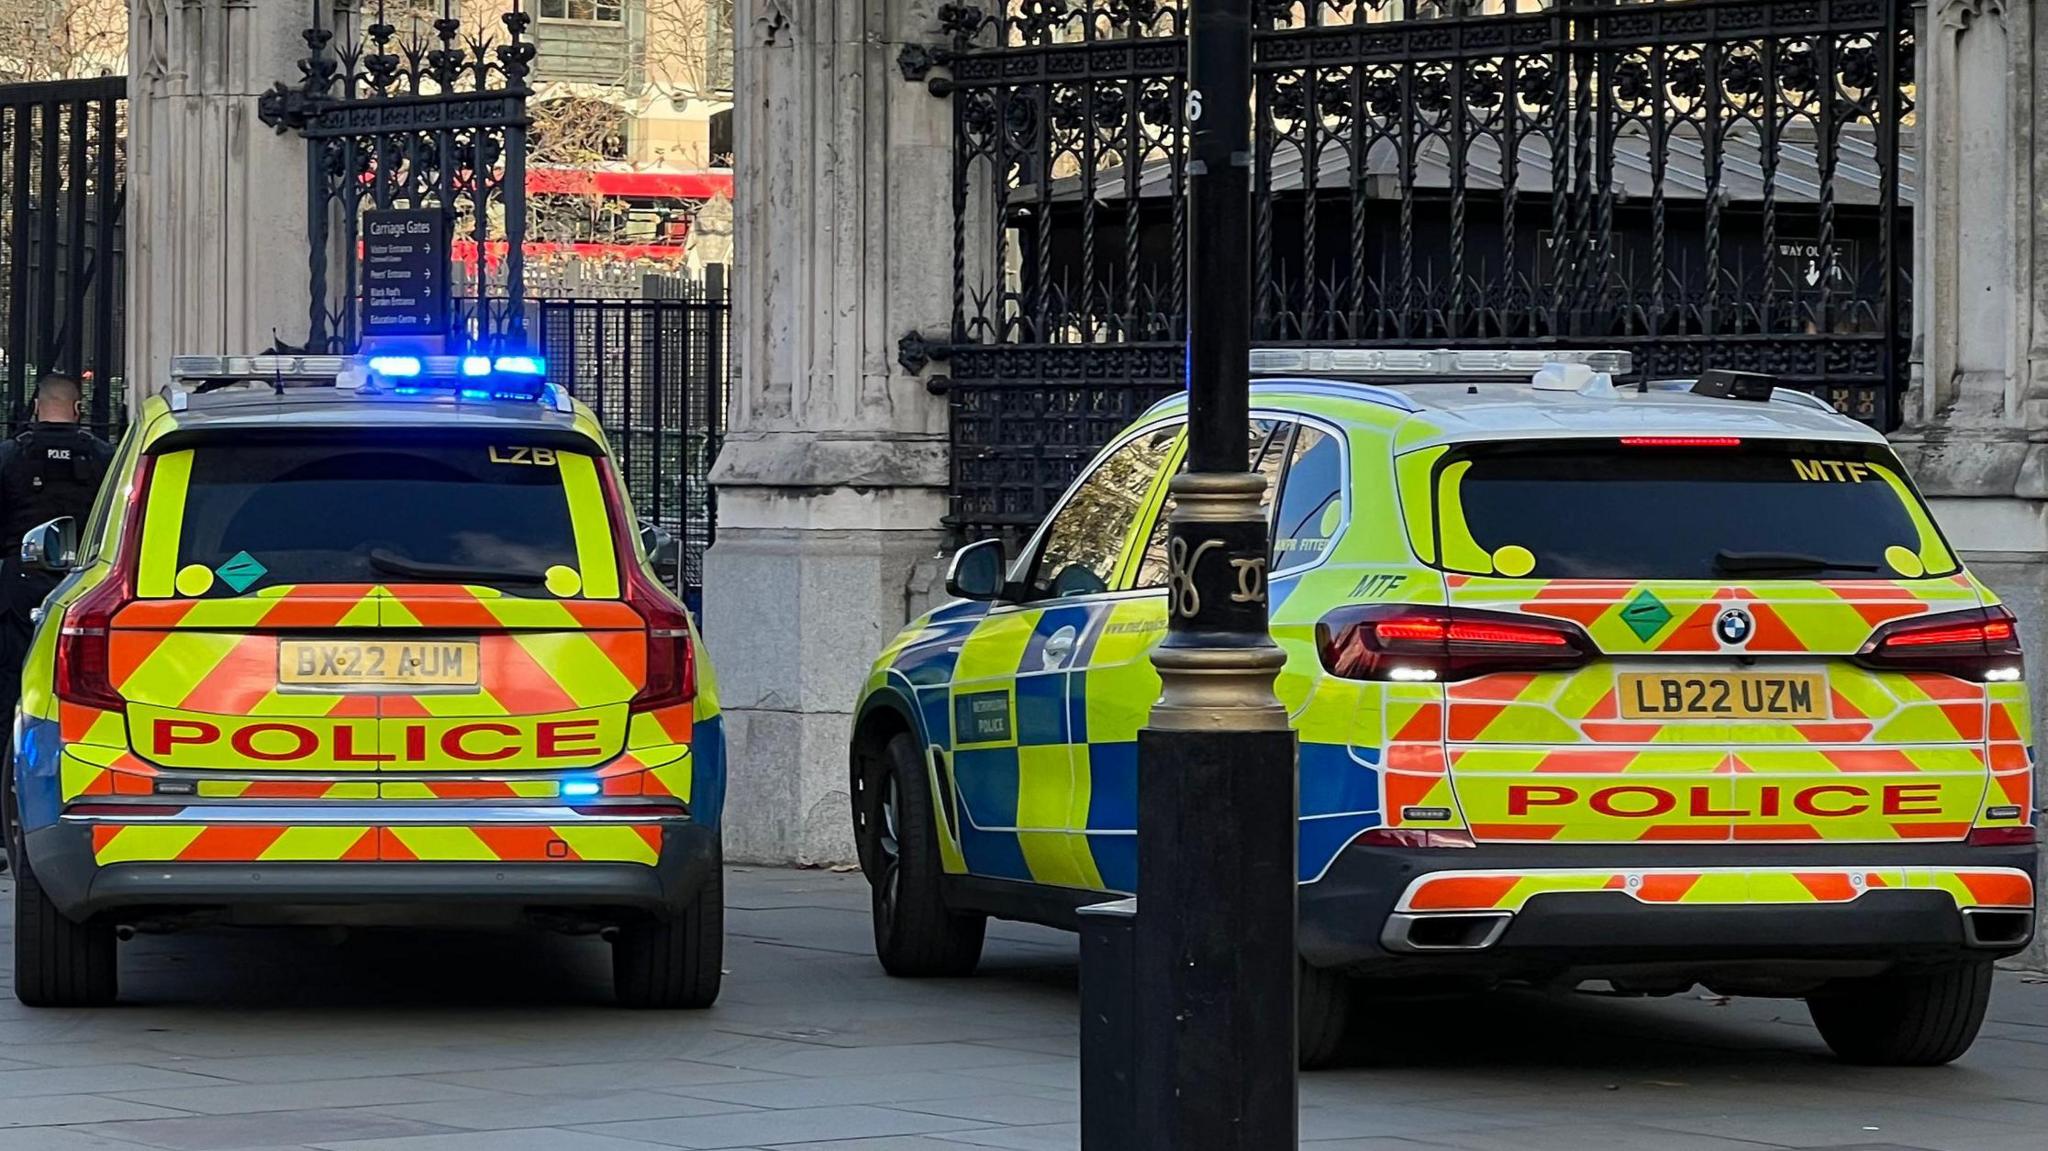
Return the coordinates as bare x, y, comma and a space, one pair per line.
916, 353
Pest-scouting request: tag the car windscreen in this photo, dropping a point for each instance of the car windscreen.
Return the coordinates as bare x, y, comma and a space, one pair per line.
492, 512
1669, 508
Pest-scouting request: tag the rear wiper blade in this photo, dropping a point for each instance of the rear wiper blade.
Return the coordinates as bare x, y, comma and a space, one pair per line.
385, 560
1733, 562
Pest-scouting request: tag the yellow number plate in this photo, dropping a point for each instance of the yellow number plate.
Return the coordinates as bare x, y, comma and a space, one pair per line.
1735, 695
441, 663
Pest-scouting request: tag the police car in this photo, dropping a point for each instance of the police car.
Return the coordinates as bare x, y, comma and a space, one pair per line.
363, 642
1661, 683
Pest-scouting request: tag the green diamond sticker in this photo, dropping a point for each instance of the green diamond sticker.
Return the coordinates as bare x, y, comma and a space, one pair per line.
240, 571
1645, 615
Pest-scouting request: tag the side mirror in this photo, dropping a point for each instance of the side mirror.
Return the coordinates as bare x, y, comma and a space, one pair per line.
977, 571
51, 546
660, 545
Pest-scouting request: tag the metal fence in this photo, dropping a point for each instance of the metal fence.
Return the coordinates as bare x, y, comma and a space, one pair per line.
1707, 183
62, 186
655, 373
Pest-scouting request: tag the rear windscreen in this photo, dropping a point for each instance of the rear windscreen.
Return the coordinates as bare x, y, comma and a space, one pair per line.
343, 511
1612, 510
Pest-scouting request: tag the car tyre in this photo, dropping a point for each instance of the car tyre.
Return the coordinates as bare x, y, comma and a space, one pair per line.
58, 962
916, 934
1922, 1017
1323, 999
675, 962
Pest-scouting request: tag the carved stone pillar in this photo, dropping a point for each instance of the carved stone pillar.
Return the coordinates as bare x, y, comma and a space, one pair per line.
832, 481
216, 215
1976, 430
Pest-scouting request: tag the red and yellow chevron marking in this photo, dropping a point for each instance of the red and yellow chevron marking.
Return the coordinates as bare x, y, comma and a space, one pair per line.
1793, 617
1512, 891
320, 843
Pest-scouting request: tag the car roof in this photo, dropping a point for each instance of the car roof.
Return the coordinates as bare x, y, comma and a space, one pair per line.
253, 406
1446, 410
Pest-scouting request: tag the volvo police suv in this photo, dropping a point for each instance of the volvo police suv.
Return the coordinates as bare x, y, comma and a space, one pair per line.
363, 642
1659, 683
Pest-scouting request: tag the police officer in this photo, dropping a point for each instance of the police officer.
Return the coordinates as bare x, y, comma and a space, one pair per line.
53, 469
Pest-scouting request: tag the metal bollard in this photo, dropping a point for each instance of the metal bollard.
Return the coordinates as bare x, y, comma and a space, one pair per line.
1109, 1034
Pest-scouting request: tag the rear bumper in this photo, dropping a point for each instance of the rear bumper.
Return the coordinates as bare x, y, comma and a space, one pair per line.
1523, 911
63, 856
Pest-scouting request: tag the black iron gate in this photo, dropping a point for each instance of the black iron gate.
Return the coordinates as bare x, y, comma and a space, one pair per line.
1707, 183
655, 373
62, 186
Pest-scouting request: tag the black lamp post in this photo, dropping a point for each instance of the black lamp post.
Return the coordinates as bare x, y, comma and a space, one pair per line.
1215, 947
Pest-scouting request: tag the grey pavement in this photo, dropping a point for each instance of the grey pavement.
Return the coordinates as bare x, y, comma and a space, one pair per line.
410, 1041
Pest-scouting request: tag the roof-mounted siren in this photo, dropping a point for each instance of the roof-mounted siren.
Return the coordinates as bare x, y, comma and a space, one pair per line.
1725, 384
1426, 363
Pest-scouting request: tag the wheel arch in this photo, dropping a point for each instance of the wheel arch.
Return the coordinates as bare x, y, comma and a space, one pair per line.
883, 716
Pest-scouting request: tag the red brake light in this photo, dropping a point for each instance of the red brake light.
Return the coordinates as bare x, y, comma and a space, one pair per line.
1407, 642
2023, 835
671, 664
1415, 837
1681, 441
83, 663
1978, 643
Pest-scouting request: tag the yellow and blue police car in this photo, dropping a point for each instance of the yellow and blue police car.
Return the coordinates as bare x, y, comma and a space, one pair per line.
363, 642
1663, 684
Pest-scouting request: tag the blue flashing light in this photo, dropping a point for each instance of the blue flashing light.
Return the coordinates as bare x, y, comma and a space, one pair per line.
475, 394
474, 366
396, 367
578, 788
522, 365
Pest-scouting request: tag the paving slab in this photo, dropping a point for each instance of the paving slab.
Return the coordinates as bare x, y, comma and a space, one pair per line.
435, 1041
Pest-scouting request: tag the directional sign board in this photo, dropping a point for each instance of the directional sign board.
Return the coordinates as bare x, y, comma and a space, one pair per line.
405, 272
1804, 264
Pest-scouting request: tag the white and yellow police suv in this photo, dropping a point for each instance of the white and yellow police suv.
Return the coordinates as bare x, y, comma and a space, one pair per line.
363, 642
1662, 684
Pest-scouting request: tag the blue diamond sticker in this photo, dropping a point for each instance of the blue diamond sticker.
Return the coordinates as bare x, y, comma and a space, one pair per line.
241, 571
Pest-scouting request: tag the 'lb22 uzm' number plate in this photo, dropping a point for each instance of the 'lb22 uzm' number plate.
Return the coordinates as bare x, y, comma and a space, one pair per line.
1732, 695
376, 663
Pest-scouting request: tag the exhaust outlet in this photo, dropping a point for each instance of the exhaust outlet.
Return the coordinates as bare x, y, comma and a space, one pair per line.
1997, 927
1455, 931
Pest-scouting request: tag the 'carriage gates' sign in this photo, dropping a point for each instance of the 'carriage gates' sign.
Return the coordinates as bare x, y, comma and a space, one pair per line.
405, 273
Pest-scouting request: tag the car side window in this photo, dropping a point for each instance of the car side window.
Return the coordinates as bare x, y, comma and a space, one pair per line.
1266, 447
1086, 537
102, 505
1312, 503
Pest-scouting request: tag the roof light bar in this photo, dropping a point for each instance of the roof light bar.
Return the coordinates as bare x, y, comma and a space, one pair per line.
258, 367
1508, 362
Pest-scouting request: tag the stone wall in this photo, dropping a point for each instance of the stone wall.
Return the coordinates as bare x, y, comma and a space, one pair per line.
216, 215
1976, 431
832, 480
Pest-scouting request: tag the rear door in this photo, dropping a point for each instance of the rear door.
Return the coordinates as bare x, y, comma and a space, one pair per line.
1727, 588
417, 602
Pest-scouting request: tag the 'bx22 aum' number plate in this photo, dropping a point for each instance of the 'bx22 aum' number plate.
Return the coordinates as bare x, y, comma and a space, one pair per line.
374, 663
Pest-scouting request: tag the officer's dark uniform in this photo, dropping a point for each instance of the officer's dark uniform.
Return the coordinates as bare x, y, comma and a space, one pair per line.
50, 470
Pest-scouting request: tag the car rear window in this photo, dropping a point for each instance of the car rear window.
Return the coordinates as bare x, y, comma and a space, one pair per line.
1662, 510
344, 511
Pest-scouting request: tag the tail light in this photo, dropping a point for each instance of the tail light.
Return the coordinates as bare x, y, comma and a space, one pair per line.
1979, 644
1415, 837
2021, 836
671, 664
83, 675
1422, 644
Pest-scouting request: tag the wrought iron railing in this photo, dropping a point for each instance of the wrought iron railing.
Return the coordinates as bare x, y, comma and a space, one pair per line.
1708, 183
432, 117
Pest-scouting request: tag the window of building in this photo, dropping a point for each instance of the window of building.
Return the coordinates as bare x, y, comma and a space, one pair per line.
584, 11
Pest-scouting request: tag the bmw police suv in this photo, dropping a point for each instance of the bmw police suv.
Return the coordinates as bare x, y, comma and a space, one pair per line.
1660, 683
363, 642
